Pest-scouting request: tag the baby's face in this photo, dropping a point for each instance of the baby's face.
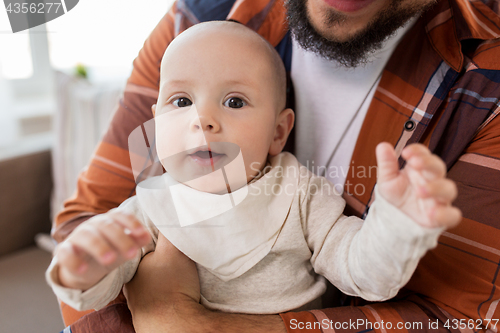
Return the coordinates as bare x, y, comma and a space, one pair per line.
217, 98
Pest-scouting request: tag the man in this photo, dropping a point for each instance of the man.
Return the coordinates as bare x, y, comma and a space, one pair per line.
401, 71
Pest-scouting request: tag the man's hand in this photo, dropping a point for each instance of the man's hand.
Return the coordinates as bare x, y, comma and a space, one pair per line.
98, 246
421, 189
165, 287
164, 272
164, 296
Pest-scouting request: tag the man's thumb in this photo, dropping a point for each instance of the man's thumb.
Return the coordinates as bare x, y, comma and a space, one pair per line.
387, 162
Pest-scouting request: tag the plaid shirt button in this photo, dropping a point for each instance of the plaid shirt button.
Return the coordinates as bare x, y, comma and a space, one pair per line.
410, 125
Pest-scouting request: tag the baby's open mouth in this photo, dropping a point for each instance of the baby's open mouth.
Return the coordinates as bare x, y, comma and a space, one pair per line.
206, 154
206, 157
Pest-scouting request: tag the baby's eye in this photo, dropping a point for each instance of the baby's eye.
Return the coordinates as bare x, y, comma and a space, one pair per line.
182, 102
235, 103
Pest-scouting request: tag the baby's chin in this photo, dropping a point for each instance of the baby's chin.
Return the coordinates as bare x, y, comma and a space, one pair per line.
215, 183
228, 178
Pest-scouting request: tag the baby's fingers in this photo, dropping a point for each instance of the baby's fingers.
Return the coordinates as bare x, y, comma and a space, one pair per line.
446, 216
119, 237
415, 149
442, 190
71, 258
131, 227
431, 166
91, 241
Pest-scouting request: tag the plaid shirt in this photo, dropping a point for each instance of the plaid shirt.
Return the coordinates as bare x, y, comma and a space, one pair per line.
441, 87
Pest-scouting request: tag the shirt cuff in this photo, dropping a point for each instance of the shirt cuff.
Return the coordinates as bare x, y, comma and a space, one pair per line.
392, 220
76, 298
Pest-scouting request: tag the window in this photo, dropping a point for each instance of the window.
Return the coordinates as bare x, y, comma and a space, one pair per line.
104, 36
24, 60
15, 52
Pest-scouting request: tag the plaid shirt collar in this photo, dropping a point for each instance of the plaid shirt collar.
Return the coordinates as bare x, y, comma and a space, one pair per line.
452, 23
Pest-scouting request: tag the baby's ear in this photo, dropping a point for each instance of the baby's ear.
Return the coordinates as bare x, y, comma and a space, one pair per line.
153, 109
284, 125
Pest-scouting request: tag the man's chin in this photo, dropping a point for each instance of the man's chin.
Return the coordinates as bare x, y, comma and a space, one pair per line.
342, 26
340, 33
348, 39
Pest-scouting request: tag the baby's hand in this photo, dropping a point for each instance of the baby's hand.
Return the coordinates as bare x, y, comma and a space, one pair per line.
98, 246
420, 189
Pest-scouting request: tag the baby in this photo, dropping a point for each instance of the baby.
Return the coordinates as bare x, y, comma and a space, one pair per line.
263, 231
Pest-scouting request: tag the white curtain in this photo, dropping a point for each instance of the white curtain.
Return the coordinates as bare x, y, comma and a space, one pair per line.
84, 111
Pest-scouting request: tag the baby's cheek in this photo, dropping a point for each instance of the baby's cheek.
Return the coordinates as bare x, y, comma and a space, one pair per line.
167, 145
173, 134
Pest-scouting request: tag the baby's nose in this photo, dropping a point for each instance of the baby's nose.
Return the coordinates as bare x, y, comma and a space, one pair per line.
207, 122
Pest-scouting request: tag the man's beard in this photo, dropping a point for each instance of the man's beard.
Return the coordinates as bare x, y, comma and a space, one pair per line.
356, 50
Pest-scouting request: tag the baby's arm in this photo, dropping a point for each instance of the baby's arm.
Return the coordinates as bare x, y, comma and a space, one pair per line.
91, 265
376, 258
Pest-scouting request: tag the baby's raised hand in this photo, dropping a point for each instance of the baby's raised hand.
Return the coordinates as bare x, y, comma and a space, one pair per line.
420, 189
98, 246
